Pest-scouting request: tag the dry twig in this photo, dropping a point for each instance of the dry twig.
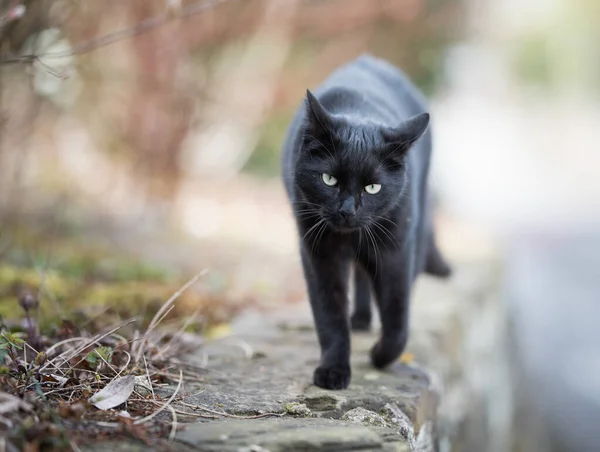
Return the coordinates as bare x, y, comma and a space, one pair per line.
125, 33
167, 403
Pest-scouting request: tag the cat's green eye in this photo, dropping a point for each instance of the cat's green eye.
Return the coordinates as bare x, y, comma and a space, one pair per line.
373, 189
329, 180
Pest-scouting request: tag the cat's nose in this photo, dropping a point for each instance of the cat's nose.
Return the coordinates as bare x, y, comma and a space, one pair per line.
348, 208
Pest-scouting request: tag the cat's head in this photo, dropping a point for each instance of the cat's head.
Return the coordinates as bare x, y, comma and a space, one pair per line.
351, 172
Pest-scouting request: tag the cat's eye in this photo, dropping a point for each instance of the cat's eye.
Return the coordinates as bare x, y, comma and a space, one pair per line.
329, 180
373, 189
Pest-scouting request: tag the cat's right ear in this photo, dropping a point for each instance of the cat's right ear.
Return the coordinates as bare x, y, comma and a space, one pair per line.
403, 137
400, 140
319, 120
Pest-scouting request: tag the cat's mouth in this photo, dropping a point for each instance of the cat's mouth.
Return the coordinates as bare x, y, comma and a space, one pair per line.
344, 226
346, 229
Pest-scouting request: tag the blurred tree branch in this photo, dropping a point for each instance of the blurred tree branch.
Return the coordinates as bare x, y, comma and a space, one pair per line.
14, 12
173, 11
160, 96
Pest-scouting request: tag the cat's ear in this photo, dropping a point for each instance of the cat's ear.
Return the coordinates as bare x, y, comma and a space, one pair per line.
400, 139
319, 120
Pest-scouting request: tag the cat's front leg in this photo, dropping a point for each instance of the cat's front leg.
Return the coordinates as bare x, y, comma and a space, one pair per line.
326, 275
392, 285
361, 318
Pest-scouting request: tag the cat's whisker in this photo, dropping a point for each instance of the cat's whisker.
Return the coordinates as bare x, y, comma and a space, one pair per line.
379, 239
306, 216
309, 209
311, 229
314, 227
308, 203
372, 240
388, 234
377, 253
357, 255
320, 233
376, 249
315, 240
368, 244
379, 217
382, 240
307, 212
310, 217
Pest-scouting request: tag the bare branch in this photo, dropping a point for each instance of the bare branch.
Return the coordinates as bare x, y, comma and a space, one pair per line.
142, 27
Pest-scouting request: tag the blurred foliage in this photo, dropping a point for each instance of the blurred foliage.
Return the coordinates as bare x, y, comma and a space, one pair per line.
160, 77
265, 159
75, 280
558, 51
532, 60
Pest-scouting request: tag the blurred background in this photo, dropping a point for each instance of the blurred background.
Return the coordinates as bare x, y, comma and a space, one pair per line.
140, 142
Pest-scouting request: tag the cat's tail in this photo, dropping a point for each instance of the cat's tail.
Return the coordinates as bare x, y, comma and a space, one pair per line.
435, 264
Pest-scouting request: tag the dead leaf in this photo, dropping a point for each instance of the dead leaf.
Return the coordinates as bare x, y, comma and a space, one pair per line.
71, 410
53, 378
114, 394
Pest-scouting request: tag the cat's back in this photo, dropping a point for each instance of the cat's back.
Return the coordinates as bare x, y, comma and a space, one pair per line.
376, 82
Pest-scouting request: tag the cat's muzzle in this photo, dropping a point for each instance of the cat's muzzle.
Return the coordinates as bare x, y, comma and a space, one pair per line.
344, 223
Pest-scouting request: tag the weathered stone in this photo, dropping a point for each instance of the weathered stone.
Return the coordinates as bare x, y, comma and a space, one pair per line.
131, 445
395, 416
361, 416
297, 409
323, 400
421, 441
281, 434
248, 386
253, 448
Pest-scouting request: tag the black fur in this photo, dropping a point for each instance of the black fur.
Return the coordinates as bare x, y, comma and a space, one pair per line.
365, 125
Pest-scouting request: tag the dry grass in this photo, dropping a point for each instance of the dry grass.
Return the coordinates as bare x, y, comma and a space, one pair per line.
51, 384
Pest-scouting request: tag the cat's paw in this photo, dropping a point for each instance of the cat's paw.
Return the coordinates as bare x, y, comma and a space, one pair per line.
332, 377
385, 352
360, 322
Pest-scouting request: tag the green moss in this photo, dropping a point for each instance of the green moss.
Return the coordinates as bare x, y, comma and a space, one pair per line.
297, 409
75, 281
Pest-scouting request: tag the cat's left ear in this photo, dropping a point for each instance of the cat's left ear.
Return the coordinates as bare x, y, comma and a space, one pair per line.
319, 119
400, 139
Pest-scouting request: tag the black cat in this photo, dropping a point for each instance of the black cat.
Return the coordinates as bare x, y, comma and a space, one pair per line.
355, 167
